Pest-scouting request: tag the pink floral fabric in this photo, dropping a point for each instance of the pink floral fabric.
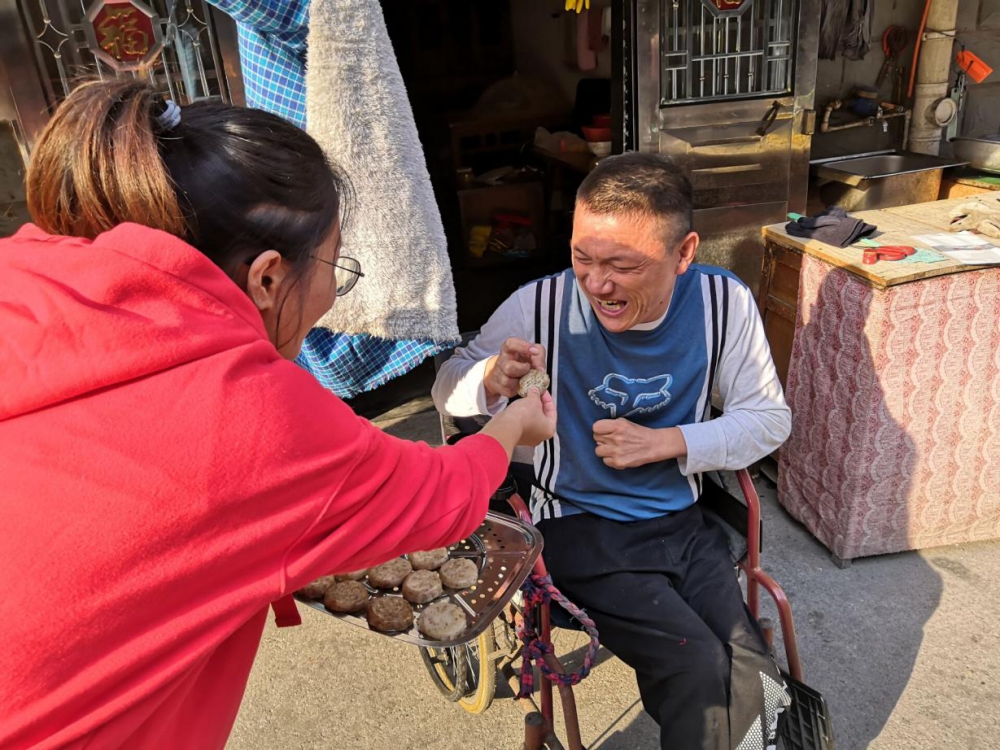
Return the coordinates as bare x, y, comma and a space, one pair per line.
895, 397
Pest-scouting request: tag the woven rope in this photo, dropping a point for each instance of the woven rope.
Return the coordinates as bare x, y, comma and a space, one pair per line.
537, 591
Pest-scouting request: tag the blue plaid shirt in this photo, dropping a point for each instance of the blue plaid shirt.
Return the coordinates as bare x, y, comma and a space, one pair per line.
273, 37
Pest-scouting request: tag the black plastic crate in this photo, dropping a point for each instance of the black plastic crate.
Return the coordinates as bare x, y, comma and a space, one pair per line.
807, 725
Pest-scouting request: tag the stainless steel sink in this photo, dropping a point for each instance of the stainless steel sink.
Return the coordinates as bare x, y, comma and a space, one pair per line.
982, 153
881, 179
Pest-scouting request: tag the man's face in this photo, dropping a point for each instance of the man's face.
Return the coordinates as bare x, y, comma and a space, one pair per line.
626, 266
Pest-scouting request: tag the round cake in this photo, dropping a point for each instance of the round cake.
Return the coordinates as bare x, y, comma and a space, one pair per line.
391, 574
442, 621
317, 589
356, 575
346, 597
459, 573
389, 614
534, 379
422, 586
429, 560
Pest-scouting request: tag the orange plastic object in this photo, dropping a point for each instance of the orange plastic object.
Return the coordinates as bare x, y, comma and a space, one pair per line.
976, 69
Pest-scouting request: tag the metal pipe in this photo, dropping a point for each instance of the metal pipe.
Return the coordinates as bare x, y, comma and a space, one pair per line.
826, 127
528, 704
546, 687
828, 110
753, 538
865, 123
570, 717
535, 732
785, 617
932, 73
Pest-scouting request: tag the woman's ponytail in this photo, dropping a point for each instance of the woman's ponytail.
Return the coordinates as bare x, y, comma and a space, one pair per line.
231, 181
97, 163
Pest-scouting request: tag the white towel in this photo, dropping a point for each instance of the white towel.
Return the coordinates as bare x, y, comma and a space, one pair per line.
358, 111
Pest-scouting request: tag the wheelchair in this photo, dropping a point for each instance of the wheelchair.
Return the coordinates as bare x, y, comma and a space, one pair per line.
468, 674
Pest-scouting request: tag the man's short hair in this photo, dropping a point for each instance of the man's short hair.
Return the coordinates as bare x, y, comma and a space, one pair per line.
640, 183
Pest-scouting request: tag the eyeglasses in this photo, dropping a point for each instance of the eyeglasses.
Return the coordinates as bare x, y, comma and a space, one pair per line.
347, 270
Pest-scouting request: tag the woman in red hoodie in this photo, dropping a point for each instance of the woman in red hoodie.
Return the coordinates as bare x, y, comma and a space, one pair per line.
166, 471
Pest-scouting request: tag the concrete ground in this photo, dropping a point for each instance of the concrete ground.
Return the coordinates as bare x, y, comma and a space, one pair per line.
905, 648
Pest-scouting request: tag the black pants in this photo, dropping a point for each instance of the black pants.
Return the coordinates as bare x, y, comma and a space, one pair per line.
667, 602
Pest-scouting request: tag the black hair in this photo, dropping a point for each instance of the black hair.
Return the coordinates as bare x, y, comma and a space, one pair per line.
231, 181
640, 183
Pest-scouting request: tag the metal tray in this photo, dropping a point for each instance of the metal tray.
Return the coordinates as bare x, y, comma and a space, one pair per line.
505, 550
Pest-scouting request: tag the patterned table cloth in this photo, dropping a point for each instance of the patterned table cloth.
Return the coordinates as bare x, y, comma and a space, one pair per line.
895, 396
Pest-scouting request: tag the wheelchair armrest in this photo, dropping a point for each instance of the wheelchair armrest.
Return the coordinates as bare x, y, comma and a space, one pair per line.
519, 507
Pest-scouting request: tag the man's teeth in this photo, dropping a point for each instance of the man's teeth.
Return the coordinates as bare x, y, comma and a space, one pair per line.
610, 304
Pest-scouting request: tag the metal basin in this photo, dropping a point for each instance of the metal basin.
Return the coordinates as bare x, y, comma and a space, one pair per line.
982, 153
881, 180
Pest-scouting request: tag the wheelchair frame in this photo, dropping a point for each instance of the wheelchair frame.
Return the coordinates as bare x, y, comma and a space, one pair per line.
538, 729
539, 718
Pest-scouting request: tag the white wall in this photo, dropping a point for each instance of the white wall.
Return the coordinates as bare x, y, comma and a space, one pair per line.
979, 31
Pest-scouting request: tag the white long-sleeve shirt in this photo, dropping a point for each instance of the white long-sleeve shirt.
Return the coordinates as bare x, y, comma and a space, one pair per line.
661, 374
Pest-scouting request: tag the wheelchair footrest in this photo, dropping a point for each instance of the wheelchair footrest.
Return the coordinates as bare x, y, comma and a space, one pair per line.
807, 725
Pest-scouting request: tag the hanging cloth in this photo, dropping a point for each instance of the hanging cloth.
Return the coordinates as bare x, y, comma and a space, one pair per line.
273, 38
359, 112
832, 19
845, 26
858, 39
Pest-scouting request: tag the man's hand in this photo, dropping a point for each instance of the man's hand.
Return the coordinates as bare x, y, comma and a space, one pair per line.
626, 445
504, 370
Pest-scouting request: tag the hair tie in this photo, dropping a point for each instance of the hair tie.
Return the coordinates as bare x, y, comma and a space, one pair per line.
170, 117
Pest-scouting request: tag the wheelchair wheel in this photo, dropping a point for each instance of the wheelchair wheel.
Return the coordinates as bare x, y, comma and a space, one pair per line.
465, 674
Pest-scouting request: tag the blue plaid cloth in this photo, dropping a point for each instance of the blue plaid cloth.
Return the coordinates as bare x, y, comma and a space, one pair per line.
273, 37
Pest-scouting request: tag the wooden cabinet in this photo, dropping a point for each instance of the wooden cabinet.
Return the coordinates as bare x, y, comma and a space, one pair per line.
778, 298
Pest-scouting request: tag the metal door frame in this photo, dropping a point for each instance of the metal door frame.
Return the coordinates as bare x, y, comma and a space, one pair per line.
25, 97
798, 105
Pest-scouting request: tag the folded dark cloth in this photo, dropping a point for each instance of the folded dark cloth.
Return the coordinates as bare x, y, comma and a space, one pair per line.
833, 226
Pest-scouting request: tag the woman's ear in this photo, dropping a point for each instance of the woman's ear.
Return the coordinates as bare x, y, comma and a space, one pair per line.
265, 279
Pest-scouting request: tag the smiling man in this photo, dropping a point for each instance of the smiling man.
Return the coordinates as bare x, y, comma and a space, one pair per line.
636, 340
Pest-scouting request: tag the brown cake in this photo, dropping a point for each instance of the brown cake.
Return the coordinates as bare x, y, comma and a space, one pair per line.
317, 589
346, 597
430, 560
534, 379
356, 575
391, 574
442, 621
459, 573
422, 586
389, 614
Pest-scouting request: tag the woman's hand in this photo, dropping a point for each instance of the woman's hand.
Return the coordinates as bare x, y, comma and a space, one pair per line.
537, 415
527, 421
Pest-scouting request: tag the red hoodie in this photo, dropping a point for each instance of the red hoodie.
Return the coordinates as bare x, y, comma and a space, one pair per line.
164, 475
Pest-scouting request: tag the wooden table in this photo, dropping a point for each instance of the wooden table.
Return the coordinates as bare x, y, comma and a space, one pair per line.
892, 372
962, 183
